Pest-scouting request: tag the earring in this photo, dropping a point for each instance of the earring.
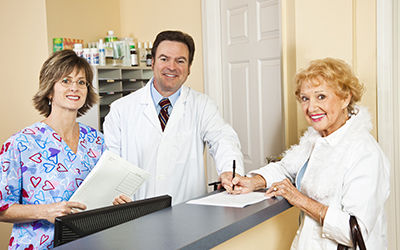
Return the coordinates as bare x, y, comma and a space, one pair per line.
49, 102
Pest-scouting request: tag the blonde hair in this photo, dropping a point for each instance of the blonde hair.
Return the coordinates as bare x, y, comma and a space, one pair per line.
335, 73
57, 66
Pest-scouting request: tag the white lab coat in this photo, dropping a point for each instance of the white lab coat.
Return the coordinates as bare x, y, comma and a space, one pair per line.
348, 172
174, 157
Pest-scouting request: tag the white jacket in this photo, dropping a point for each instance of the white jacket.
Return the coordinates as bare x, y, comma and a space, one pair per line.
348, 172
174, 157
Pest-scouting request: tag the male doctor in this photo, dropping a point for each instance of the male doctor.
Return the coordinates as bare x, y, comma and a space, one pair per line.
168, 139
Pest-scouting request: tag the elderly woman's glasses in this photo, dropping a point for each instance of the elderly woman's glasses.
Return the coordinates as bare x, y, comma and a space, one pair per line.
66, 82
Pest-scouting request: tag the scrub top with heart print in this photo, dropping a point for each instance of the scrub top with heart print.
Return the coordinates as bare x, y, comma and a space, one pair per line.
38, 167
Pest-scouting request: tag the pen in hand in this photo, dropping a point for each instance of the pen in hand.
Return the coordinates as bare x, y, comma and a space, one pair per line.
233, 175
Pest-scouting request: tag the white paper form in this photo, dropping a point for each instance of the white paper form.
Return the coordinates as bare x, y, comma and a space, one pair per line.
111, 177
224, 199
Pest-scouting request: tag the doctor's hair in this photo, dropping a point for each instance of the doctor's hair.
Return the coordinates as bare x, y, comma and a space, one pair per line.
59, 65
336, 74
175, 36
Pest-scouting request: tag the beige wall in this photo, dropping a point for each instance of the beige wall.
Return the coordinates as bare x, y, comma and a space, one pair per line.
339, 29
89, 20
143, 20
23, 48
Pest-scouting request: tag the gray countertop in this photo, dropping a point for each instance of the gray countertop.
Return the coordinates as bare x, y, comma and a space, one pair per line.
183, 226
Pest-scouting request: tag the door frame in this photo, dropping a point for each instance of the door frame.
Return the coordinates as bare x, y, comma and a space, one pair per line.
212, 55
212, 66
388, 108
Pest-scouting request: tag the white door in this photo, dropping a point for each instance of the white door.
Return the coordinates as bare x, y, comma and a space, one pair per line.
251, 93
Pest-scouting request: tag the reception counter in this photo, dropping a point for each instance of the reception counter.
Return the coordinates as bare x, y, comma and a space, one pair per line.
183, 226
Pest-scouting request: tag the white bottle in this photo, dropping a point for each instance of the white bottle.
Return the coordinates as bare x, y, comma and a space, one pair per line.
94, 56
142, 54
86, 54
125, 50
109, 51
78, 49
102, 53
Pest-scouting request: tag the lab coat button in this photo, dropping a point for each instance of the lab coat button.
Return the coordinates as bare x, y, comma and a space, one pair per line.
161, 177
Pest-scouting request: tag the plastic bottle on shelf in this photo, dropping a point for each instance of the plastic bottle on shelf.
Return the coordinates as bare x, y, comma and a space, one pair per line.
126, 53
102, 53
109, 51
148, 55
111, 37
86, 54
134, 57
94, 56
78, 49
142, 53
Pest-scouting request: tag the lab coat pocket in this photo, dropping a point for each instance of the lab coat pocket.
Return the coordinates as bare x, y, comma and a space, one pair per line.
184, 146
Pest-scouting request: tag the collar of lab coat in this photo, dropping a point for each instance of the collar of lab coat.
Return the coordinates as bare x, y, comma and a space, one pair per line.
176, 115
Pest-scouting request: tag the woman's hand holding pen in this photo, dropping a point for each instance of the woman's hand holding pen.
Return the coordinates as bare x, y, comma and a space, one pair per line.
226, 180
244, 185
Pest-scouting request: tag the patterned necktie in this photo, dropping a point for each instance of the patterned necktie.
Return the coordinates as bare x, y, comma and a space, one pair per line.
164, 115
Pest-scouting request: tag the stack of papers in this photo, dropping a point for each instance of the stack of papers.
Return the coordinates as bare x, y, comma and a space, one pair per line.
111, 177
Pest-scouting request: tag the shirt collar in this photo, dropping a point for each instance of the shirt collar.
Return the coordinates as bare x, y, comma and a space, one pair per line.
156, 96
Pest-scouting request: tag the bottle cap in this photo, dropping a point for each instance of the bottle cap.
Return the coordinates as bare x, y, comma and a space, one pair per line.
110, 32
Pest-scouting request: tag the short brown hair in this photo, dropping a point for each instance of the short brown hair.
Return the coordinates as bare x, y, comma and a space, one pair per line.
176, 36
335, 73
57, 66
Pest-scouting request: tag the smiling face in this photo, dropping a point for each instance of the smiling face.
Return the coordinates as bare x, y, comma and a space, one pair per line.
170, 67
323, 109
70, 98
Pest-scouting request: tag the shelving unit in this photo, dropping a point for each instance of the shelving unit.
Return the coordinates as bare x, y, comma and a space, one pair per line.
113, 83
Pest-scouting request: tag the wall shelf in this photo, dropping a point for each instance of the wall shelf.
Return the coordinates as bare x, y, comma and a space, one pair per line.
113, 83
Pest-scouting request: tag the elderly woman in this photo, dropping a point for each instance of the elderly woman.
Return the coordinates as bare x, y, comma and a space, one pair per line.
43, 164
337, 170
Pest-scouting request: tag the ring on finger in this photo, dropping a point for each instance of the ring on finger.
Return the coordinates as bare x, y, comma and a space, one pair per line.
72, 211
275, 189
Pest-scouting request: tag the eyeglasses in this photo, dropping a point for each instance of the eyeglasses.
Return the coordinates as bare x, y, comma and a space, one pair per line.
68, 82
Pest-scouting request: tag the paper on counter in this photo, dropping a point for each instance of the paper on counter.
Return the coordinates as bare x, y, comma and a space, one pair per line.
111, 177
224, 199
